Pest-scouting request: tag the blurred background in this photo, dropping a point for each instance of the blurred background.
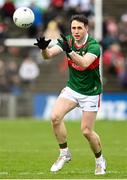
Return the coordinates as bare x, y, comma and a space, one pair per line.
29, 85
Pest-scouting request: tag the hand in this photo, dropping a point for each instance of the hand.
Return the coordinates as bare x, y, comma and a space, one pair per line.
64, 44
42, 43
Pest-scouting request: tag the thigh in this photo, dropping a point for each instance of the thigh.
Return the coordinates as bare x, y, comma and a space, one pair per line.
88, 119
63, 106
89, 103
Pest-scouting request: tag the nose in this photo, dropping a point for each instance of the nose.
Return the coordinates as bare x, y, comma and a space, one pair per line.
76, 31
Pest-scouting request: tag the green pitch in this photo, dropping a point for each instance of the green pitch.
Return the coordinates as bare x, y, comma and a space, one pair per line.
28, 148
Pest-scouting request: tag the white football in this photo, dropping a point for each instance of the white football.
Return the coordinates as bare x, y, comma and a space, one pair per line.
23, 17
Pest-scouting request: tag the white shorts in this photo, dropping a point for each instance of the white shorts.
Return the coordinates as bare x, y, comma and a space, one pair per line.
85, 102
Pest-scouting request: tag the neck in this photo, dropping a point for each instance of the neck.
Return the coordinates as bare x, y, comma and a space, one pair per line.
82, 41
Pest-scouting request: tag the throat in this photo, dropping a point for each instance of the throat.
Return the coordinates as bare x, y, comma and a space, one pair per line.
82, 41
79, 43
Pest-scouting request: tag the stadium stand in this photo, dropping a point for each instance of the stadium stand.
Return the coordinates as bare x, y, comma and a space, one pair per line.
51, 79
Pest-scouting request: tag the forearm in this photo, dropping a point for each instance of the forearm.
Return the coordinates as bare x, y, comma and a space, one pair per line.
51, 52
77, 59
82, 61
45, 54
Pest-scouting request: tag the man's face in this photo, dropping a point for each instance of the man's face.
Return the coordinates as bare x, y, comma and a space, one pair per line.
78, 30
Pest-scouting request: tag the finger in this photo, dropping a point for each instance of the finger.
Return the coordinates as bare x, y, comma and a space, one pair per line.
63, 37
49, 41
36, 44
38, 40
42, 39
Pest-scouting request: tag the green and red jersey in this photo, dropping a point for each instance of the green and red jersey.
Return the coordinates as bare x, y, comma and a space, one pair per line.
85, 81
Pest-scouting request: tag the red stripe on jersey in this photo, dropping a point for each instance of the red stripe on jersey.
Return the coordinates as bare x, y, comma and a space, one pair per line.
75, 66
94, 64
99, 100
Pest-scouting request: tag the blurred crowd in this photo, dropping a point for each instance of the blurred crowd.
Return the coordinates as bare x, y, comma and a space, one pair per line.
18, 71
51, 19
51, 15
114, 48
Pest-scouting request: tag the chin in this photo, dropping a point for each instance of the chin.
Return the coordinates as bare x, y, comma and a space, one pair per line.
77, 39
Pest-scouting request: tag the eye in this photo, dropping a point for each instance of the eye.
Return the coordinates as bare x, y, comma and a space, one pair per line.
79, 28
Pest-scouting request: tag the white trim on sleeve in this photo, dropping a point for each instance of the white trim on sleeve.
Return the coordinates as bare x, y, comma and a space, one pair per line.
59, 47
92, 54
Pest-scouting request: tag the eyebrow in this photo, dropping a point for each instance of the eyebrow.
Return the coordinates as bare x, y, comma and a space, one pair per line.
76, 27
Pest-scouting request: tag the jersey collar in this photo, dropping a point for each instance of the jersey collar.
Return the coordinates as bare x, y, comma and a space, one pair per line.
85, 39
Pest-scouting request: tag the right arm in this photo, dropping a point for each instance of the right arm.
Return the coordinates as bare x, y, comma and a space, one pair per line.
51, 52
47, 52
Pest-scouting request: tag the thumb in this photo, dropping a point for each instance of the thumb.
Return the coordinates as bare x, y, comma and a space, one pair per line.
35, 44
49, 41
59, 41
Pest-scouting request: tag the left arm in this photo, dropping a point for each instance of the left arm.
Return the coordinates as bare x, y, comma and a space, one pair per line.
82, 61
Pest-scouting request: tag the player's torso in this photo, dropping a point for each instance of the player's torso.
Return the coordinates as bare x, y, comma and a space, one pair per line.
85, 81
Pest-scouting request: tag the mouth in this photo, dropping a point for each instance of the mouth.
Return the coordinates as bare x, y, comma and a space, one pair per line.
77, 36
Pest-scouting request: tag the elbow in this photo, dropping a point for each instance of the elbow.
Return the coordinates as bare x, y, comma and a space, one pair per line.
84, 65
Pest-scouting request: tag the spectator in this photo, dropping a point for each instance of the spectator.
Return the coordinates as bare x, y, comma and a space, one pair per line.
37, 26
3, 80
124, 77
123, 29
79, 7
114, 60
87, 7
58, 4
52, 30
61, 23
3, 31
28, 71
111, 35
51, 14
13, 76
7, 9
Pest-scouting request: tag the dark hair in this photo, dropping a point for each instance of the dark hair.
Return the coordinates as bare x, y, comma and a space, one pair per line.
80, 18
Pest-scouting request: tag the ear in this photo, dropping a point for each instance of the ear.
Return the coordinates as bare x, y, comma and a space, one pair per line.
86, 27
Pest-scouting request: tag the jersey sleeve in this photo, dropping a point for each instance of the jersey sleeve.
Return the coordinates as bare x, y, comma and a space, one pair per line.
94, 49
59, 44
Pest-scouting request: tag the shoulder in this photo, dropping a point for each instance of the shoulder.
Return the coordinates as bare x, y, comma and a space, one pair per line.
93, 46
92, 41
